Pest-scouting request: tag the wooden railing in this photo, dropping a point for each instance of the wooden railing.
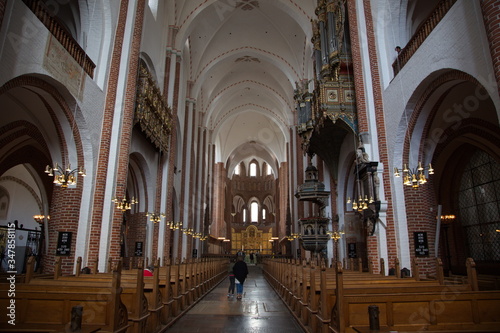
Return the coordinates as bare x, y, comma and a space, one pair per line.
421, 34
66, 40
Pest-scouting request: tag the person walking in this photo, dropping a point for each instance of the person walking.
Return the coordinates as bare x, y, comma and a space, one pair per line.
240, 270
230, 290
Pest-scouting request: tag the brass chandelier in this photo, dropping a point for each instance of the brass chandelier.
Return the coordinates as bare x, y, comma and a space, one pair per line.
361, 204
123, 204
154, 217
414, 177
64, 176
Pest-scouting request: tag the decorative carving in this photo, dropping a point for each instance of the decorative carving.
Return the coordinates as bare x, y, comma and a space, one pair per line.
151, 112
361, 155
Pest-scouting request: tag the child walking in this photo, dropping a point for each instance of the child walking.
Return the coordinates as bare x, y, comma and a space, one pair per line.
230, 290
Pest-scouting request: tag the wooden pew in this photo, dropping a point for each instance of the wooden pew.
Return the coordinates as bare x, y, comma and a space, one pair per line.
320, 310
451, 308
45, 305
133, 293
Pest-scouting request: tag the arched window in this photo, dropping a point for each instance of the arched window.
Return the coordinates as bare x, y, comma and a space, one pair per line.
479, 206
269, 170
254, 207
244, 212
237, 170
264, 212
253, 169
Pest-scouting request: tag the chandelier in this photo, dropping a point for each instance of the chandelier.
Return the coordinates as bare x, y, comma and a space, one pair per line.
64, 176
174, 225
361, 204
123, 204
154, 217
40, 218
414, 177
335, 235
199, 235
187, 231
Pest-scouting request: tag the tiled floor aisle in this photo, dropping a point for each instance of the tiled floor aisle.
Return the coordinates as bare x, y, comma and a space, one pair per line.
260, 310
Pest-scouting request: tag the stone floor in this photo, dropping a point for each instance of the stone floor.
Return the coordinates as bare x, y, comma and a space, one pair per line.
259, 311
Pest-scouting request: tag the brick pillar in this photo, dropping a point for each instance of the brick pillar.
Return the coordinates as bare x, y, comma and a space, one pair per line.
192, 183
109, 114
421, 218
491, 16
64, 216
184, 216
175, 103
171, 161
357, 68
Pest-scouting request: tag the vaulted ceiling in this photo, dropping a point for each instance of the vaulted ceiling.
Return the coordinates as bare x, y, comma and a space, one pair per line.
245, 58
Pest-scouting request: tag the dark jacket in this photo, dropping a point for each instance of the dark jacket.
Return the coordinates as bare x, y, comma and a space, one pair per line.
240, 271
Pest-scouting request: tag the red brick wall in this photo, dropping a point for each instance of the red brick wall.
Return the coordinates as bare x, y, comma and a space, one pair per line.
136, 232
357, 67
421, 218
491, 15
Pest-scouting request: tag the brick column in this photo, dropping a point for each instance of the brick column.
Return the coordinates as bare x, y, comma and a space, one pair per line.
491, 16
171, 160
109, 114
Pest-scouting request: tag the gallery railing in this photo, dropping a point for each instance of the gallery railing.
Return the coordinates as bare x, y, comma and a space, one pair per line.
421, 34
61, 34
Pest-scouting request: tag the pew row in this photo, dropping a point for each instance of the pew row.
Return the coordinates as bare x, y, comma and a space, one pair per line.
147, 304
45, 305
329, 299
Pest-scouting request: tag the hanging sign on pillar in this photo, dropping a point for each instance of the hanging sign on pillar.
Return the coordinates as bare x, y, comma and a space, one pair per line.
421, 245
138, 249
63, 243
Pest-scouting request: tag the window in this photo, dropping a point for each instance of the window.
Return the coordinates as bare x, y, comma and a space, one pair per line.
254, 206
479, 206
253, 169
244, 215
264, 211
237, 170
269, 170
